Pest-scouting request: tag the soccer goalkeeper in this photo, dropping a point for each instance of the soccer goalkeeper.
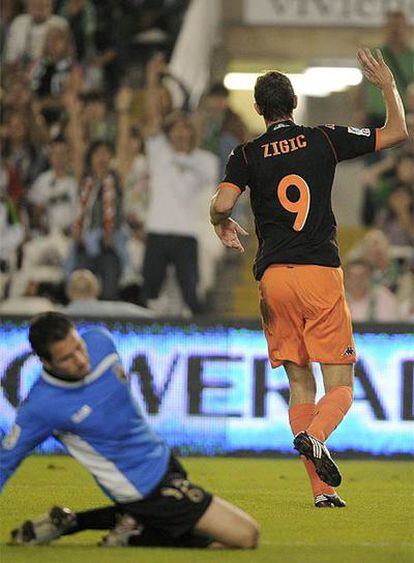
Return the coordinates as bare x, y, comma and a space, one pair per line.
82, 398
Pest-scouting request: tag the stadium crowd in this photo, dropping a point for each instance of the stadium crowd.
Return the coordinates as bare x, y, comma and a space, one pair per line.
101, 172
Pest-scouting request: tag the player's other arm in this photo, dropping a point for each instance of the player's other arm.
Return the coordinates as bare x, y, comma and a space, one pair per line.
378, 73
225, 227
225, 198
28, 431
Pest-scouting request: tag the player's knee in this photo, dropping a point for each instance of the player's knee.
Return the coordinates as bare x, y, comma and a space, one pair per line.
250, 536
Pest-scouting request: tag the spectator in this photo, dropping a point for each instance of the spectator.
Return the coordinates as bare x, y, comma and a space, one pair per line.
29, 304
367, 301
399, 56
11, 187
81, 16
220, 128
54, 194
96, 121
9, 9
179, 174
83, 290
406, 291
18, 98
27, 32
376, 250
42, 261
20, 151
12, 223
100, 235
54, 73
397, 169
397, 222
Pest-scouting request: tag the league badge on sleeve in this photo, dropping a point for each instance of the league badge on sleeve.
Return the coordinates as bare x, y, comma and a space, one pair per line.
356, 131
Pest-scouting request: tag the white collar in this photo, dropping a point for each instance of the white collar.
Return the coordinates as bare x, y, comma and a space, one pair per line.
100, 369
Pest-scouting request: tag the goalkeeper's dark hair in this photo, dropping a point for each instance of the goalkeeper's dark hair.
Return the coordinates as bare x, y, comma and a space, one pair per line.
273, 93
47, 328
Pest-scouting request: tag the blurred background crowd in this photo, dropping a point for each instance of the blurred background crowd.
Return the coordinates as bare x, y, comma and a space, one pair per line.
109, 162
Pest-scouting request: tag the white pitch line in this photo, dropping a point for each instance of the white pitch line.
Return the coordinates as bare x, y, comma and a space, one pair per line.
361, 544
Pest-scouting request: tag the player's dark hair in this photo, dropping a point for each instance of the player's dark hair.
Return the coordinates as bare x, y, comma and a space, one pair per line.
274, 95
47, 328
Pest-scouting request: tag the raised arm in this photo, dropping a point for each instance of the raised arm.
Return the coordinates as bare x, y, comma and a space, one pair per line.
75, 133
378, 73
123, 105
153, 109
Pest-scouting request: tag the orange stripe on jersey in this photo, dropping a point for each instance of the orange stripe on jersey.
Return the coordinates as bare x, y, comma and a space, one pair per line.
230, 185
330, 143
377, 140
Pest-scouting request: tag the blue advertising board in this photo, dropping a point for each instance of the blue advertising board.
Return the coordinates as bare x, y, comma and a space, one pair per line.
209, 388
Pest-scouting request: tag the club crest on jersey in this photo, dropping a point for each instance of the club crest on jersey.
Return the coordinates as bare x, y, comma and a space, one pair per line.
349, 351
356, 131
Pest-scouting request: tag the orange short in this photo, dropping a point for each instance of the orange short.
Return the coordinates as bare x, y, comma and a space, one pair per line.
305, 316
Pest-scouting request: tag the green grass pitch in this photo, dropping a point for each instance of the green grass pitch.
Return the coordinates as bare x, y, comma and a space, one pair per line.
377, 526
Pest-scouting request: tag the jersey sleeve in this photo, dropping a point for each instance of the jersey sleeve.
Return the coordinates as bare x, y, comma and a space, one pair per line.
100, 339
350, 142
29, 431
237, 170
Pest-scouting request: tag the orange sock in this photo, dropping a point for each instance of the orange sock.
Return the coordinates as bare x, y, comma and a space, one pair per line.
330, 411
300, 417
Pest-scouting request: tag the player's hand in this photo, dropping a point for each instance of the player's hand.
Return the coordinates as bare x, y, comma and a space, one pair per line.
228, 232
156, 66
374, 69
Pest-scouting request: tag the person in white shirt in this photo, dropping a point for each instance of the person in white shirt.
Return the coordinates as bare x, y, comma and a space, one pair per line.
27, 32
54, 194
368, 302
179, 173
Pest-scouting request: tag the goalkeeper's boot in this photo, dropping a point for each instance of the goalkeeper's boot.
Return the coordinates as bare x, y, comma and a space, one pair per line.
319, 455
125, 528
45, 528
329, 501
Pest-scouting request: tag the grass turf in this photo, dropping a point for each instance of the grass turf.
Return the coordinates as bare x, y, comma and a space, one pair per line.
377, 526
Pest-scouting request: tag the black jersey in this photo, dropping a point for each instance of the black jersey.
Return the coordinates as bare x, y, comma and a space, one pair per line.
290, 171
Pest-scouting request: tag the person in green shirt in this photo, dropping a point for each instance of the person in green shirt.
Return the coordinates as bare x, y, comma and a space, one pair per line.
399, 56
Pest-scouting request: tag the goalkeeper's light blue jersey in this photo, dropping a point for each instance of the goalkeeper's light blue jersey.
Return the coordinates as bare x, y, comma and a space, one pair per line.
97, 420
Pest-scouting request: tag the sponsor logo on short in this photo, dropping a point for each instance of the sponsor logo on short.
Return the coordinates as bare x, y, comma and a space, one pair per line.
349, 351
356, 131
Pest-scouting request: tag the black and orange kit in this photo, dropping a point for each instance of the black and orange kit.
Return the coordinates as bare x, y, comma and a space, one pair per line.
290, 171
